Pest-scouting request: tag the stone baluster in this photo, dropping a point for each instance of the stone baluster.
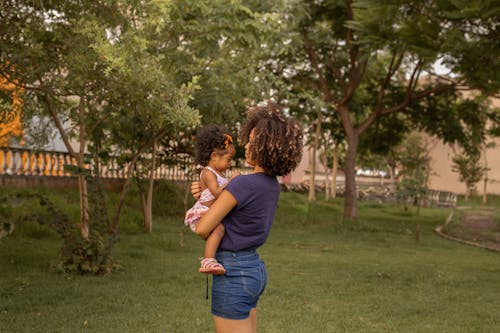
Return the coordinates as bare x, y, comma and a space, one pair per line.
109, 169
18, 163
125, 170
25, 157
58, 165
66, 161
40, 162
47, 170
74, 162
33, 164
43, 163
3, 164
8, 162
104, 170
115, 173
54, 164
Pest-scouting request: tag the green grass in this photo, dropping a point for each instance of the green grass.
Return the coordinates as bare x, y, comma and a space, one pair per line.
324, 276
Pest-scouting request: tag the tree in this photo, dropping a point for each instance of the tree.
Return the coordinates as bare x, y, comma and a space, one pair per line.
48, 56
468, 161
470, 170
414, 162
345, 47
86, 66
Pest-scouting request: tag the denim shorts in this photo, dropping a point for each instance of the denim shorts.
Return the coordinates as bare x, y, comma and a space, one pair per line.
235, 293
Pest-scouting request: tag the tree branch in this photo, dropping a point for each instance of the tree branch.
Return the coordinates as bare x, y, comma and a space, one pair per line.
438, 89
356, 72
335, 70
57, 122
311, 54
394, 65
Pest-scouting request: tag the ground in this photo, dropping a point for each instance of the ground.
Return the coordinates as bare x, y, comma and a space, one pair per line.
473, 226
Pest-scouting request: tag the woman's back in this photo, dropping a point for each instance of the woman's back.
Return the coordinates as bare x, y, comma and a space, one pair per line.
249, 223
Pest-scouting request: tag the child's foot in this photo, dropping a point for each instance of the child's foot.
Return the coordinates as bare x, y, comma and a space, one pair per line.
211, 266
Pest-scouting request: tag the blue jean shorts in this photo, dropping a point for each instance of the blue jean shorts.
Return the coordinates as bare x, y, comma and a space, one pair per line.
235, 293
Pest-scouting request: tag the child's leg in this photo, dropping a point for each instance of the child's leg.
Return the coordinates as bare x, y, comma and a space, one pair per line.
213, 241
208, 264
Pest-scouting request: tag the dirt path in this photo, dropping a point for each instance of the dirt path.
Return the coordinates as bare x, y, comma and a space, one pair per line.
476, 227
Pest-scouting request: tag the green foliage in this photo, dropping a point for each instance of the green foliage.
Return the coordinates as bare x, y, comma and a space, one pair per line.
414, 160
6, 222
130, 75
169, 199
469, 169
35, 215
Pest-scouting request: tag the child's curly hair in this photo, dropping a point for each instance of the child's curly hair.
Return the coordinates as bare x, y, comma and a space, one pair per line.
209, 139
277, 141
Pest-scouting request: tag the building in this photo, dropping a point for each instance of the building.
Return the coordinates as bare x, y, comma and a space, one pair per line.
442, 177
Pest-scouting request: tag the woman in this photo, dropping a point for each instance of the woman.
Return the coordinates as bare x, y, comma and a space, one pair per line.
246, 207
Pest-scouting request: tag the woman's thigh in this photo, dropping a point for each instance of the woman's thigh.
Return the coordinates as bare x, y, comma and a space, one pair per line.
249, 325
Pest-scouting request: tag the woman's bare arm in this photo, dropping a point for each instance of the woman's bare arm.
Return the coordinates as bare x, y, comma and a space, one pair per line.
220, 208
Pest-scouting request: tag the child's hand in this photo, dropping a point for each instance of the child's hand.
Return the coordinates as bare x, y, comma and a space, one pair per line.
196, 189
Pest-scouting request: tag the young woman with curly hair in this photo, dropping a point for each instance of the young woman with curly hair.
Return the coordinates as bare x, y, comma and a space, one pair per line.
246, 208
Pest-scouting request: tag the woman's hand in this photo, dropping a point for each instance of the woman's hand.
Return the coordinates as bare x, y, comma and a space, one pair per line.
196, 189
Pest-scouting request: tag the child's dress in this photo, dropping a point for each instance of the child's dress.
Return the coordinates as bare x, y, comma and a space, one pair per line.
194, 214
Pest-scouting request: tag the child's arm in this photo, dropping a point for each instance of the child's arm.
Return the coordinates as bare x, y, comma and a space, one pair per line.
210, 180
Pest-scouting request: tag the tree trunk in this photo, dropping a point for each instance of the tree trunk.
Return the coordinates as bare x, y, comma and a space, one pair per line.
392, 173
148, 200
328, 192
84, 205
334, 170
312, 179
82, 182
312, 176
350, 204
121, 202
485, 179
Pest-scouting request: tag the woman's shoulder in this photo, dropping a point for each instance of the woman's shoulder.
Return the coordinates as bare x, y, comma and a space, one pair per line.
253, 179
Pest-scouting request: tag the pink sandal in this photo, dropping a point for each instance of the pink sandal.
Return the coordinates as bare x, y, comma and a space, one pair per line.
211, 266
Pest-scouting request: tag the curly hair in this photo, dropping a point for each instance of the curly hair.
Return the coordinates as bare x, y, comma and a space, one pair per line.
209, 139
277, 140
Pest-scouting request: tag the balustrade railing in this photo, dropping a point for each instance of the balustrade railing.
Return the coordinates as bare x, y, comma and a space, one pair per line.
441, 198
27, 162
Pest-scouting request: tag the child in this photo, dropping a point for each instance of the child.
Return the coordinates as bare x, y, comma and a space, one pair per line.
214, 152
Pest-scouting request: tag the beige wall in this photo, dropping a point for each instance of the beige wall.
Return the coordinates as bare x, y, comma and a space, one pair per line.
301, 173
444, 179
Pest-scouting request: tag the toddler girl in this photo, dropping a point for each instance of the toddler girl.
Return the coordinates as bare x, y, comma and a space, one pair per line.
214, 153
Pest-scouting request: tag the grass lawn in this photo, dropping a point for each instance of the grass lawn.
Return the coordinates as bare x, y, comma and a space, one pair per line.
324, 276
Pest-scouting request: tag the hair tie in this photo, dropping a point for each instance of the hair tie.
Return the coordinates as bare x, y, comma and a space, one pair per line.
228, 140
